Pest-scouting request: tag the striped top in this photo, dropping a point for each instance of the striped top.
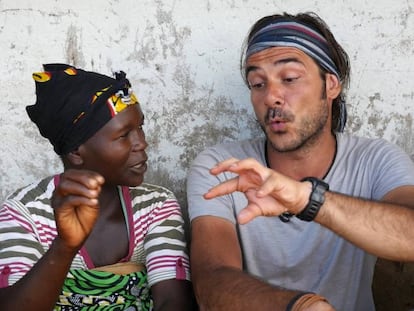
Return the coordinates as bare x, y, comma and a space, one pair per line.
153, 217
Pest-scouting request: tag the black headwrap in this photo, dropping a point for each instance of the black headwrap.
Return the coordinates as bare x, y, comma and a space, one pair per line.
73, 104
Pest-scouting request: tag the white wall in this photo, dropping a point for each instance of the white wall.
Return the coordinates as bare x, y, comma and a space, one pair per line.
182, 59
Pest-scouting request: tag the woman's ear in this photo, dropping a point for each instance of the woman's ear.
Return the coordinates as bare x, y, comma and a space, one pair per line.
333, 86
74, 158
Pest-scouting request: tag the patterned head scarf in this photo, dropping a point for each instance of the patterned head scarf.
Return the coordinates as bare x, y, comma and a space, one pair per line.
73, 104
288, 33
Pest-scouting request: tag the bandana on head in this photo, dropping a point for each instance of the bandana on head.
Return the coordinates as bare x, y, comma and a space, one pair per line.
73, 104
286, 33
297, 35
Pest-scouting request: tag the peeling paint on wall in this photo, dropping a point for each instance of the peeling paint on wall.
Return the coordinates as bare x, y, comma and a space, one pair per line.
74, 47
182, 58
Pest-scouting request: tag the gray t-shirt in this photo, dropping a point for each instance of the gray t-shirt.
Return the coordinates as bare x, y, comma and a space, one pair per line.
301, 255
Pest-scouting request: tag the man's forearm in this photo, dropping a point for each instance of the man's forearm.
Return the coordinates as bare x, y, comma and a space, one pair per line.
382, 229
232, 289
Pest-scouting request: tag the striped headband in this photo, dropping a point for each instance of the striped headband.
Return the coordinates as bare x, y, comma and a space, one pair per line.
297, 35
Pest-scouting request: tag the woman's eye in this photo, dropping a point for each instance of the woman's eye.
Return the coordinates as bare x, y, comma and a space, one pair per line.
123, 135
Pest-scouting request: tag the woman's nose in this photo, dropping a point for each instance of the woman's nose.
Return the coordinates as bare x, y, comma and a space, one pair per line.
138, 140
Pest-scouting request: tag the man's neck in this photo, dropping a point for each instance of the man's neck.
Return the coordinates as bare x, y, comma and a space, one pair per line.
315, 160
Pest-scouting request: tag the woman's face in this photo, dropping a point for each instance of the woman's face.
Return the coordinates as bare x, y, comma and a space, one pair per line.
117, 150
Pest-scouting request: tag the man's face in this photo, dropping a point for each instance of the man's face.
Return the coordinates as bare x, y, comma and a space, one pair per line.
117, 150
288, 96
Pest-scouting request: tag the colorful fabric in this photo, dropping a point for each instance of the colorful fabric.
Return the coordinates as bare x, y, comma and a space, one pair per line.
154, 221
73, 104
104, 291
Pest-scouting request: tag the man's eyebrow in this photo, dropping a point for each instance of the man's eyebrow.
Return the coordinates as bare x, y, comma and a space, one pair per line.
250, 68
287, 60
276, 63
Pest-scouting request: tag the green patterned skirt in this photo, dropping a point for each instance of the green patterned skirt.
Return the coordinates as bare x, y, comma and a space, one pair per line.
88, 290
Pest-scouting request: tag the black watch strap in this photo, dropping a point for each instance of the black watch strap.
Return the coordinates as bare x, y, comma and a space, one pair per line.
316, 199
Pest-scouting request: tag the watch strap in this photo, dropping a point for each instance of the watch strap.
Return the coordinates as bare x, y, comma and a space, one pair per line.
316, 199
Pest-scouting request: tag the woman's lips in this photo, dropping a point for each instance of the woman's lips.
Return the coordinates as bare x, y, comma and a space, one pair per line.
140, 167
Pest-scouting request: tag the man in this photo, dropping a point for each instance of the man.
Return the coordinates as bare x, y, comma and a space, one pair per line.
94, 237
341, 200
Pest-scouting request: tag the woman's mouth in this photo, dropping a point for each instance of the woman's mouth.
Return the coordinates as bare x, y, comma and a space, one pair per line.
140, 167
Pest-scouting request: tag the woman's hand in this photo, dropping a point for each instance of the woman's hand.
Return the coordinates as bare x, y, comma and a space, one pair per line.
76, 207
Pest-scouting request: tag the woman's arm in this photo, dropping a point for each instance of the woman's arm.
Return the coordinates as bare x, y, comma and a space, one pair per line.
76, 208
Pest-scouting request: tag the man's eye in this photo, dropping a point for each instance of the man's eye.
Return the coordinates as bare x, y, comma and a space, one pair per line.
290, 79
257, 85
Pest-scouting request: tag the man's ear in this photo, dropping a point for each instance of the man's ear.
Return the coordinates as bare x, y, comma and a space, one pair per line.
75, 158
333, 86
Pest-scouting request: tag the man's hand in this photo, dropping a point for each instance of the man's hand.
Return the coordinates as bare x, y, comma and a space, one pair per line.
268, 192
76, 207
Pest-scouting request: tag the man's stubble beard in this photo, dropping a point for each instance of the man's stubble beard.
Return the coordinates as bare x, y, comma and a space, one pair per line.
308, 133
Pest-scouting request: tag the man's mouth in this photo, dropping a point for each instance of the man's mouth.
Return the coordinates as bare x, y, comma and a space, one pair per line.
277, 115
274, 113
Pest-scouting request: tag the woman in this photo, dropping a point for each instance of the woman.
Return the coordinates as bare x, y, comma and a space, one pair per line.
94, 237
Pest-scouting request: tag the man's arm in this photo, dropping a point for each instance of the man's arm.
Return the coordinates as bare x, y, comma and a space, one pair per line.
173, 295
381, 228
220, 283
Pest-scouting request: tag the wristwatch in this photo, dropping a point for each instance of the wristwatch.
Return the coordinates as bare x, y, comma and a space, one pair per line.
316, 199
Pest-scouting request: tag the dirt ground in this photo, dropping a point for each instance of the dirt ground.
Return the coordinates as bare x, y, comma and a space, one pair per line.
393, 286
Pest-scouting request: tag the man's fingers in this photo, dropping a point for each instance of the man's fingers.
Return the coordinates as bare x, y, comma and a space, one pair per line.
223, 166
226, 187
241, 166
249, 213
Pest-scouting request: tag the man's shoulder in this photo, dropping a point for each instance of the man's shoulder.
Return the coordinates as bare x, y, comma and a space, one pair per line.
348, 143
239, 149
352, 138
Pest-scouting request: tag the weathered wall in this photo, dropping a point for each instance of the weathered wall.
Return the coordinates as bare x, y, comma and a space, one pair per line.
182, 59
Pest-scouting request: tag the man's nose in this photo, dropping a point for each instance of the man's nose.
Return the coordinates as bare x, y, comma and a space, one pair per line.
274, 95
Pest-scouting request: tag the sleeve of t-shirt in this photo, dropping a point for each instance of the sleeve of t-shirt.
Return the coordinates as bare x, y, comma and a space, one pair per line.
394, 168
19, 247
165, 244
199, 181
